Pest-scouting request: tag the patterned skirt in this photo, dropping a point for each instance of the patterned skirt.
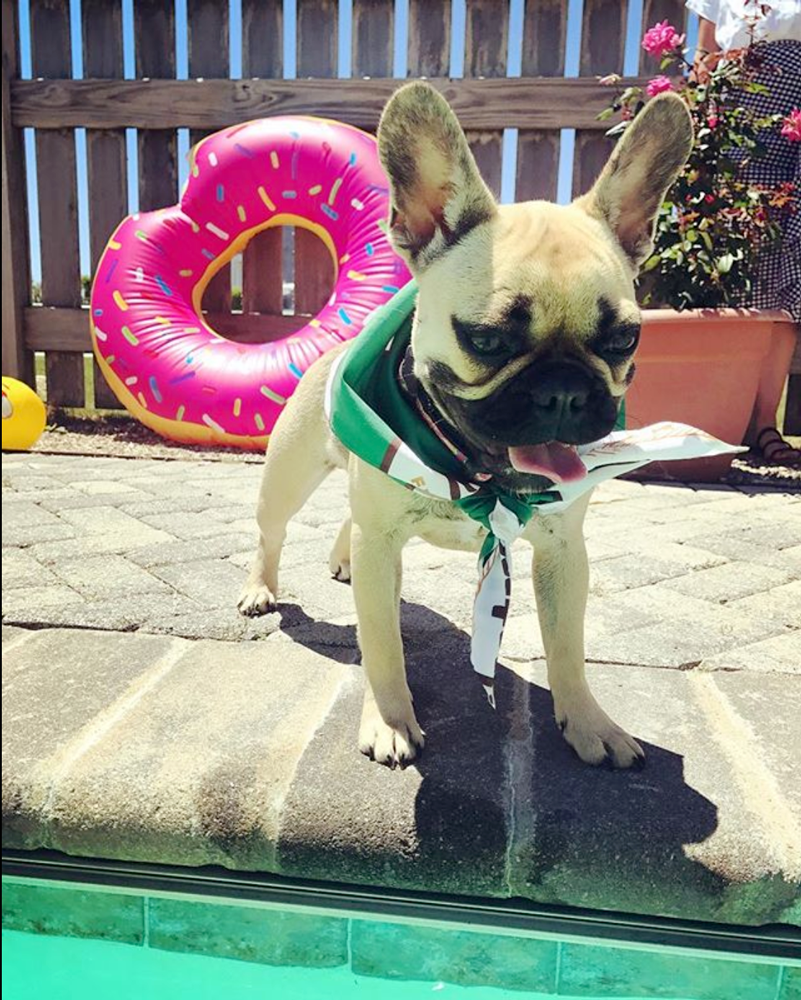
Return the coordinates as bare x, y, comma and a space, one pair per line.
777, 283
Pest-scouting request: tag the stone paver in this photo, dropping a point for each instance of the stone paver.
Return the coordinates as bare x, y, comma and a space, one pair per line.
189, 742
728, 582
779, 654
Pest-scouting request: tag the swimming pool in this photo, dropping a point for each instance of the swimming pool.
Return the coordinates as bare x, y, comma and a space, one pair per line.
107, 931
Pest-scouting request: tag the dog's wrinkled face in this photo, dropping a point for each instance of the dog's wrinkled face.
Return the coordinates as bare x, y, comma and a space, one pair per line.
526, 322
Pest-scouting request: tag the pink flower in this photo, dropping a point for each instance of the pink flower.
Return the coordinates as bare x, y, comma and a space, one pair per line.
791, 126
713, 121
661, 39
658, 85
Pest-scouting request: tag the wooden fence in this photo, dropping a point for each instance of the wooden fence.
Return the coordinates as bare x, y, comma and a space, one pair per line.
539, 103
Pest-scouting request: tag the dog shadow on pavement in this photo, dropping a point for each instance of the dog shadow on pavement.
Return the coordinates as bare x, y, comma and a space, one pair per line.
502, 805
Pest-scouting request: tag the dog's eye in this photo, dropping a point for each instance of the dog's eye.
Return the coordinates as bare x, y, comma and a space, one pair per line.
486, 343
623, 342
620, 342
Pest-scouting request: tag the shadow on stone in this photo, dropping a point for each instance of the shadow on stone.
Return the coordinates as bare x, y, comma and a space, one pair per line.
335, 641
497, 804
611, 839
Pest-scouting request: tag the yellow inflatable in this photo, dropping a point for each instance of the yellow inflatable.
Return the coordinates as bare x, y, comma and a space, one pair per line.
24, 416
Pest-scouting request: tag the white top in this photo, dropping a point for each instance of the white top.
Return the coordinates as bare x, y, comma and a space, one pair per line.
782, 21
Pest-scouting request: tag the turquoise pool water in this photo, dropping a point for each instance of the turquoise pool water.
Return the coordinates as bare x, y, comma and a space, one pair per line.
56, 968
79, 942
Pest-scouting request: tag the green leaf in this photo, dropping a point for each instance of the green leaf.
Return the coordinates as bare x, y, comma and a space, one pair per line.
724, 263
605, 115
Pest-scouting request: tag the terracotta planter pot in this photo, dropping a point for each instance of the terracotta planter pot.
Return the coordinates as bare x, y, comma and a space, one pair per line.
702, 367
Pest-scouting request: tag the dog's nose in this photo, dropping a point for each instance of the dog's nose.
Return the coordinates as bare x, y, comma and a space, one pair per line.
558, 403
560, 394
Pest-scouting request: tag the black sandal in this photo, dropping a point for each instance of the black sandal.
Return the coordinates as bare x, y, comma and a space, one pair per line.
772, 447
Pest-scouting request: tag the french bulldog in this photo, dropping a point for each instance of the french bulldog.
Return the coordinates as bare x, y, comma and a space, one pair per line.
523, 339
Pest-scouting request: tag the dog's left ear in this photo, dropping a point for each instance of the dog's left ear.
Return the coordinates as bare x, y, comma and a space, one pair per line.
644, 164
437, 192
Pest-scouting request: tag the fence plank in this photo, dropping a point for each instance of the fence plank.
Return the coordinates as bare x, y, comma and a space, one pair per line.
372, 34
544, 41
16, 292
537, 165
429, 49
154, 34
316, 57
535, 103
486, 31
207, 21
262, 56
48, 329
674, 11
544, 38
105, 150
603, 37
58, 198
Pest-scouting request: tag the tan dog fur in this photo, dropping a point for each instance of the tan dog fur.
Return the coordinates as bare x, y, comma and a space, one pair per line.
473, 259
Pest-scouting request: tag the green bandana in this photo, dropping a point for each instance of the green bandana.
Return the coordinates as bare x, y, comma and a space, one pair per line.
373, 418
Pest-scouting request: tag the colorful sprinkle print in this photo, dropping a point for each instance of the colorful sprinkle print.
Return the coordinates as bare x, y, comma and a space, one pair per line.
219, 233
266, 199
334, 189
276, 397
155, 343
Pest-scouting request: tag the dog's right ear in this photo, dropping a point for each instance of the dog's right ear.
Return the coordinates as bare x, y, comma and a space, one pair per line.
643, 165
437, 192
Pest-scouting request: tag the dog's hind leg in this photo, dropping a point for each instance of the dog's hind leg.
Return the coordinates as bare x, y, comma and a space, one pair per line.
287, 484
299, 457
340, 554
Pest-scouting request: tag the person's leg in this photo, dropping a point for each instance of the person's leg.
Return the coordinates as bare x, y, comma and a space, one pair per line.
764, 437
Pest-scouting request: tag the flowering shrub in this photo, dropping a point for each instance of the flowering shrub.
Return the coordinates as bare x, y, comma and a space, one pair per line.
658, 85
662, 39
714, 223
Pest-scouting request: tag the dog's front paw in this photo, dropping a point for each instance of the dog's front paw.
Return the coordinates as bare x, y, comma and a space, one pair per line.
594, 737
256, 599
340, 567
394, 744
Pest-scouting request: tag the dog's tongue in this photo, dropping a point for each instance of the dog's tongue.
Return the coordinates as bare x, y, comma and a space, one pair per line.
558, 462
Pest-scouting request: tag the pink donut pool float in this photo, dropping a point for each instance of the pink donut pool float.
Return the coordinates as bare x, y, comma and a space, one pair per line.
166, 365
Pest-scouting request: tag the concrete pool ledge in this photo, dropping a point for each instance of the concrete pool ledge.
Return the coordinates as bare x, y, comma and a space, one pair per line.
156, 748
144, 719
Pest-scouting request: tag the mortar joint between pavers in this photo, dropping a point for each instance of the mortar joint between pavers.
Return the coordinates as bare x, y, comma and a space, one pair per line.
518, 774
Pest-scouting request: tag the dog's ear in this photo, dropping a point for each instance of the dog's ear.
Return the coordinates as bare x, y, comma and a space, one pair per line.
437, 192
644, 164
